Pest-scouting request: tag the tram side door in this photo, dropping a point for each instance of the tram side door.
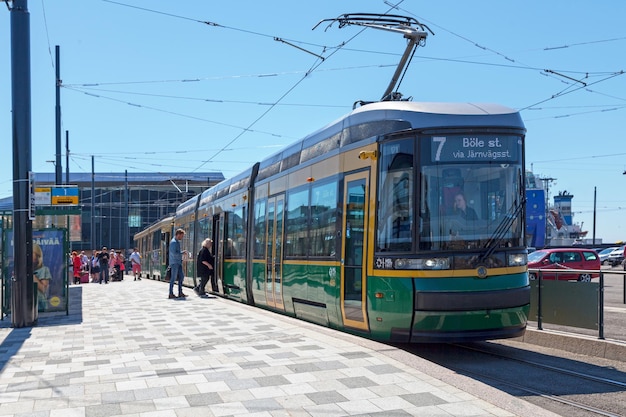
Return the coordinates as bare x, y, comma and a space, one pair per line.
274, 252
218, 251
354, 247
164, 254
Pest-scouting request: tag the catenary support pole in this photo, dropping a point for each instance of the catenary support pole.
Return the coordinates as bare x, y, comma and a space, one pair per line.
126, 213
58, 167
595, 193
23, 294
67, 157
93, 206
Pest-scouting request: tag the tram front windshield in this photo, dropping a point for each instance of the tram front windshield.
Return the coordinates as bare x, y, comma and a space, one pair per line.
458, 192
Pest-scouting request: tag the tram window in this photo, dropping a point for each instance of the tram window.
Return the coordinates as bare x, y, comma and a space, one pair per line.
396, 197
297, 223
156, 239
235, 244
490, 191
205, 230
260, 223
323, 219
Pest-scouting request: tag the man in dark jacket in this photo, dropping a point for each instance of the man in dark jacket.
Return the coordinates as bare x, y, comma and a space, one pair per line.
204, 265
103, 260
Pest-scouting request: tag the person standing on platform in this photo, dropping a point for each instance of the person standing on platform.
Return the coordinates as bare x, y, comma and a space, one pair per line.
119, 265
103, 259
84, 259
176, 264
95, 266
77, 264
135, 260
205, 266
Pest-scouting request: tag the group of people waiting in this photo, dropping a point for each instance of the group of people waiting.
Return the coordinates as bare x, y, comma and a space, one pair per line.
110, 264
104, 265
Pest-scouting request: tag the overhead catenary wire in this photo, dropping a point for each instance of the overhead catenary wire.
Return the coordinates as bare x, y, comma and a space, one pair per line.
549, 72
256, 33
204, 99
317, 62
343, 47
178, 114
271, 106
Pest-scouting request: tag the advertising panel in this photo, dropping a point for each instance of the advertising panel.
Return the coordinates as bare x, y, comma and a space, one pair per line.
49, 267
49, 260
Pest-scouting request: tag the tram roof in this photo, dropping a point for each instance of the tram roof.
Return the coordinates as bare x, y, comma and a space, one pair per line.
371, 120
390, 116
437, 114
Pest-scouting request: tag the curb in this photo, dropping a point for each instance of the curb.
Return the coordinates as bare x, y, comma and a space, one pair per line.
607, 349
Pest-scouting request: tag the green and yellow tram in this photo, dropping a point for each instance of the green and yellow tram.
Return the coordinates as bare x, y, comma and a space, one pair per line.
400, 222
152, 244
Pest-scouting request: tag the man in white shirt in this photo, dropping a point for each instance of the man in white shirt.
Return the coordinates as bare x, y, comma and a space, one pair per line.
135, 260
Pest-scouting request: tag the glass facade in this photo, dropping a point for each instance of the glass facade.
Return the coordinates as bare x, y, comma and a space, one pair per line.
121, 205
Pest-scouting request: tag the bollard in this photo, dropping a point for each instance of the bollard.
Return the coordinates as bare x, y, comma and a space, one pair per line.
539, 312
601, 307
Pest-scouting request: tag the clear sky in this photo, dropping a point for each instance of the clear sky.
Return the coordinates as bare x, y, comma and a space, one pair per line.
166, 86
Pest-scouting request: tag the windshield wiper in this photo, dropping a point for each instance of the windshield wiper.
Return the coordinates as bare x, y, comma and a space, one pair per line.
503, 227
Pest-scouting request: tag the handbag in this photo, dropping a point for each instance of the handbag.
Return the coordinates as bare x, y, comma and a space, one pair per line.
168, 273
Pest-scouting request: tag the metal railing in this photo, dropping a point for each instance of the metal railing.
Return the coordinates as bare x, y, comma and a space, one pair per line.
574, 302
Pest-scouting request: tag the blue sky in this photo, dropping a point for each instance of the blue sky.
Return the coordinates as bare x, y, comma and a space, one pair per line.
162, 86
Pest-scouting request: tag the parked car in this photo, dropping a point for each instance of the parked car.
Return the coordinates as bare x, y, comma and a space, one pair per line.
565, 259
616, 256
604, 254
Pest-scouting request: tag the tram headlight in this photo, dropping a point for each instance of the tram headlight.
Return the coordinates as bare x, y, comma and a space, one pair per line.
427, 263
517, 259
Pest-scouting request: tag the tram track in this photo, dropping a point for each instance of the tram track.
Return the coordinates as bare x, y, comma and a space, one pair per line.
564, 385
564, 371
574, 404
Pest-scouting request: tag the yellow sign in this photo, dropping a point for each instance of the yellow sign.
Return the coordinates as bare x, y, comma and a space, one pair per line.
64, 199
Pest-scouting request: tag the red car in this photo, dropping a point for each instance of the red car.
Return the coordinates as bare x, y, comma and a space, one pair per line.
565, 259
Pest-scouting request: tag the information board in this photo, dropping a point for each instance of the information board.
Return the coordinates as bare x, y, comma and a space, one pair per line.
64, 195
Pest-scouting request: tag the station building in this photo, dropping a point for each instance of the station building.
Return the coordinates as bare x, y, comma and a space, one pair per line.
121, 204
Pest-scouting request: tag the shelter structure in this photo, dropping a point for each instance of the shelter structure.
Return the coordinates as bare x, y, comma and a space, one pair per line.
120, 205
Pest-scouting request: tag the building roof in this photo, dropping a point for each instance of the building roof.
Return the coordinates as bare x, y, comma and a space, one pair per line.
6, 203
104, 179
135, 179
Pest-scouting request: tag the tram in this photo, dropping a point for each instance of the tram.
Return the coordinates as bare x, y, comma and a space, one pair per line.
360, 226
153, 245
402, 221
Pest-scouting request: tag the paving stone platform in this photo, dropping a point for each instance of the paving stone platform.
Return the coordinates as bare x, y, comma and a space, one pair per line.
127, 350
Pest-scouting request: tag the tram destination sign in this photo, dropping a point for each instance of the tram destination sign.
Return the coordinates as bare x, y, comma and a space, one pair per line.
477, 148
